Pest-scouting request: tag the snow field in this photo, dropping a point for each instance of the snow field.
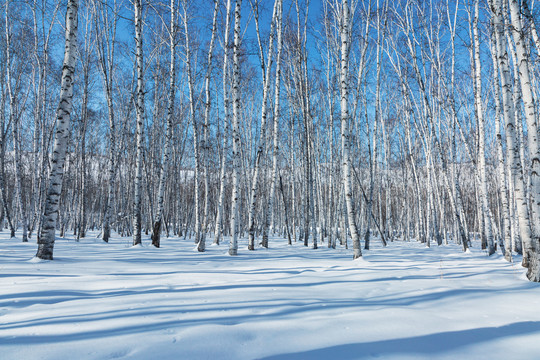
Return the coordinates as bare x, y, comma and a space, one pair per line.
405, 301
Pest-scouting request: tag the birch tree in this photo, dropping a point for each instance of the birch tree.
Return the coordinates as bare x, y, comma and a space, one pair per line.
156, 228
226, 113
63, 114
266, 67
486, 214
512, 147
3, 134
501, 168
276, 121
43, 37
373, 165
233, 245
345, 145
106, 20
86, 56
205, 145
139, 108
15, 120
195, 125
531, 247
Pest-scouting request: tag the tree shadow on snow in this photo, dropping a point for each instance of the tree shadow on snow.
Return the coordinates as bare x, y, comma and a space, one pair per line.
426, 345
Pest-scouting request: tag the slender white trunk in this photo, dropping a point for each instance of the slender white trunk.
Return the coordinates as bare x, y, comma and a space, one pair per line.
201, 245
453, 188
40, 161
312, 169
264, 112
388, 186
106, 226
156, 229
140, 114
276, 118
195, 125
15, 121
346, 172
3, 197
501, 168
330, 96
218, 228
63, 114
517, 98
481, 134
105, 45
81, 226
429, 192
233, 246
293, 177
512, 147
531, 248
378, 122
80, 193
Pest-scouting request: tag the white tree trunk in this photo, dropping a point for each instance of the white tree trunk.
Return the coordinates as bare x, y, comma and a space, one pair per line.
481, 134
276, 118
195, 125
346, 171
63, 114
219, 215
264, 113
15, 121
201, 245
156, 229
531, 249
512, 147
233, 246
105, 45
501, 168
40, 131
140, 114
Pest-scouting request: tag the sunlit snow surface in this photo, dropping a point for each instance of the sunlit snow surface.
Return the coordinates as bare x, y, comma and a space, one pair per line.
406, 301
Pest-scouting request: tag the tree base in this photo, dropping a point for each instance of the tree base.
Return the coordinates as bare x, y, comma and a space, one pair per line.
156, 234
45, 252
533, 269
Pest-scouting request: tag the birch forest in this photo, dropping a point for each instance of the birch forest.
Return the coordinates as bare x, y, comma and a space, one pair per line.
333, 123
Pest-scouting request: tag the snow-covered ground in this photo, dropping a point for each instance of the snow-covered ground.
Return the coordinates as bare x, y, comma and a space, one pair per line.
108, 301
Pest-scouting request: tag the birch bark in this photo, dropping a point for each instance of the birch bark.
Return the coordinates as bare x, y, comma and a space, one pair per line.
276, 119
105, 45
481, 134
226, 105
63, 114
346, 174
139, 107
201, 245
156, 229
15, 120
233, 246
266, 68
512, 147
501, 168
532, 247
194, 124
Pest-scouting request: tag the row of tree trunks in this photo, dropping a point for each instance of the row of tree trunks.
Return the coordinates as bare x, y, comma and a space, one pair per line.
315, 179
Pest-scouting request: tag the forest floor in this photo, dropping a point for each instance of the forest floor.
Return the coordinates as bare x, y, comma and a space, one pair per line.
405, 301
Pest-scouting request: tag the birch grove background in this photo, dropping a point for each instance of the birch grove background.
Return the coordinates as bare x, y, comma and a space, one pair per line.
332, 123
